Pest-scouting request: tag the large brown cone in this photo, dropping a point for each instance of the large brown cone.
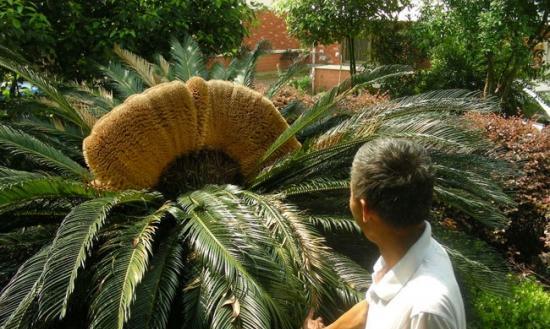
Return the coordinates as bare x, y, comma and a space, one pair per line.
132, 145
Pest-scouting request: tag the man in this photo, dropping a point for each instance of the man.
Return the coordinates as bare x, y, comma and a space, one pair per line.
414, 286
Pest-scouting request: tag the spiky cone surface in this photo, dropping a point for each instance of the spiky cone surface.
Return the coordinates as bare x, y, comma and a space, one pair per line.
132, 145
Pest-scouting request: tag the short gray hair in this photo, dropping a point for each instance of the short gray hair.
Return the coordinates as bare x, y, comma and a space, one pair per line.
394, 176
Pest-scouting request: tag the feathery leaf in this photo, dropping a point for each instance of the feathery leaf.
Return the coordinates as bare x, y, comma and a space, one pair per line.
21, 143
125, 257
73, 243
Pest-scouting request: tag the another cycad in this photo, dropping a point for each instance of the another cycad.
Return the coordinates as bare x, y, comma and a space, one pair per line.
250, 255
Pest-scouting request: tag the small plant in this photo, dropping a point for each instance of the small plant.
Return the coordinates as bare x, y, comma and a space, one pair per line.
528, 307
303, 84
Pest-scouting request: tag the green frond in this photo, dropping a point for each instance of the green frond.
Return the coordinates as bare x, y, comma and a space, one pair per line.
125, 82
316, 185
27, 237
335, 224
9, 55
155, 294
320, 108
11, 176
19, 296
164, 68
474, 261
146, 70
218, 72
293, 110
307, 164
297, 66
219, 230
72, 245
353, 282
323, 106
373, 75
472, 182
188, 59
207, 302
477, 207
21, 143
99, 100
124, 261
413, 112
62, 106
245, 69
20, 190
64, 138
301, 241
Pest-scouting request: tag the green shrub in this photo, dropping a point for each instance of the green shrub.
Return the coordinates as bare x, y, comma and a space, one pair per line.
303, 84
527, 308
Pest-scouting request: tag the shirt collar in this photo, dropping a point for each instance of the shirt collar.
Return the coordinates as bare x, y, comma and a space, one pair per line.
392, 282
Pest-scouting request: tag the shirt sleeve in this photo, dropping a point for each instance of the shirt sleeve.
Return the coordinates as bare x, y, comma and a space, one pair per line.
426, 320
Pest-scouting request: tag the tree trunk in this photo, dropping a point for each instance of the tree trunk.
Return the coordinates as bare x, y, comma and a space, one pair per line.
489, 89
351, 51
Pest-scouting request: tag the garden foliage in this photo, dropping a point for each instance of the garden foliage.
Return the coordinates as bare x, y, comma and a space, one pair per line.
247, 253
483, 45
71, 37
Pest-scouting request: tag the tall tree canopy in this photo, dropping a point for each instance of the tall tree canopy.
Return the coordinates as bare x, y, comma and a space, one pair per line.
71, 36
320, 21
483, 44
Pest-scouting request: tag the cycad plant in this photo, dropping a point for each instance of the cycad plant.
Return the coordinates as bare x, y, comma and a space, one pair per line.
194, 205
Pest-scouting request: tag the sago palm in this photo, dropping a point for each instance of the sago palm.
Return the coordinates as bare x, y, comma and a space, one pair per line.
194, 205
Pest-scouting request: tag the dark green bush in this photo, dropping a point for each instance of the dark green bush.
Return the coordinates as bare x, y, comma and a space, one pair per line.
527, 308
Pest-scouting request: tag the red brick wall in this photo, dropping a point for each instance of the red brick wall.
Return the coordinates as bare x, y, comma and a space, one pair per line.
273, 28
325, 79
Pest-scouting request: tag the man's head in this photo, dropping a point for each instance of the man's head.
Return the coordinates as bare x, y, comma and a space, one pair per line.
391, 178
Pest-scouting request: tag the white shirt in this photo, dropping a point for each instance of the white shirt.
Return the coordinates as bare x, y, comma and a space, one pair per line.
419, 292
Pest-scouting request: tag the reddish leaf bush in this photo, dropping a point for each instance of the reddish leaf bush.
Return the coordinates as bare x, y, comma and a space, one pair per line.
528, 148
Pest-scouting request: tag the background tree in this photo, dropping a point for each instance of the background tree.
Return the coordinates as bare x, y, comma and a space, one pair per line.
485, 44
71, 36
319, 21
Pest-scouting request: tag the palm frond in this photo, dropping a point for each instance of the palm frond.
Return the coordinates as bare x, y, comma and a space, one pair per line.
27, 237
417, 113
125, 82
373, 75
218, 72
164, 68
207, 302
19, 296
64, 138
316, 185
219, 237
474, 261
246, 67
25, 188
307, 164
297, 66
320, 108
62, 107
125, 257
188, 59
99, 100
335, 224
146, 70
154, 295
353, 281
72, 245
21, 143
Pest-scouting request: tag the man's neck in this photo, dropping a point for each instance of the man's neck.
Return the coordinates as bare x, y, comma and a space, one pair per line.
395, 246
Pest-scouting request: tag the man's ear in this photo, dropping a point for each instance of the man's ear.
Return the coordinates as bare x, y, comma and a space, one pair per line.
365, 210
